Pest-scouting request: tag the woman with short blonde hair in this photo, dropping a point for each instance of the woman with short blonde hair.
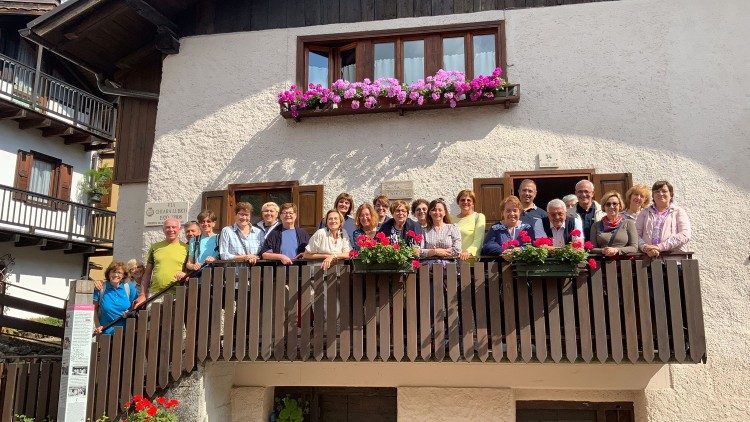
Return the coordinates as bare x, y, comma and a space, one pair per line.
637, 198
329, 243
614, 234
471, 224
510, 228
366, 220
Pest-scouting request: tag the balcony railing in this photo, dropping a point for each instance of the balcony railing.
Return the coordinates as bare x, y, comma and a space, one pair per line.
56, 99
635, 311
46, 217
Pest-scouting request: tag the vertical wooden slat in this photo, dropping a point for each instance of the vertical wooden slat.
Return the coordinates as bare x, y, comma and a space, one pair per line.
43, 395
628, 303
254, 328
694, 310
31, 388
660, 309
139, 367
9, 397
467, 312
114, 372
227, 343
615, 320
600, 321
511, 337
54, 390
267, 314
496, 330
584, 317
102, 368
164, 340
21, 384
524, 322
279, 323
357, 314
644, 311
425, 326
240, 342
214, 331
540, 318
452, 310
192, 324
371, 320
93, 363
152, 363
128, 348
438, 311
481, 312
345, 288
178, 328
332, 302
204, 315
384, 316
569, 320
319, 313
306, 291
398, 316
553, 310
675, 311
291, 313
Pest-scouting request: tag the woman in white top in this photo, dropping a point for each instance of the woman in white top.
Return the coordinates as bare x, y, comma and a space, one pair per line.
442, 239
329, 243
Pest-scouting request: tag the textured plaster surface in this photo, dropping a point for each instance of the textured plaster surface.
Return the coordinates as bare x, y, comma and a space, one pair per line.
455, 404
252, 404
655, 88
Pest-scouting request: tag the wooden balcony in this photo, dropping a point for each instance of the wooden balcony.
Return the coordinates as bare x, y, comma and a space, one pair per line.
31, 219
39, 101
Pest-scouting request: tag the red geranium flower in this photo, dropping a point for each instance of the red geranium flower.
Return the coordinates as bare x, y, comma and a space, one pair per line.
575, 232
588, 245
380, 235
396, 246
161, 400
418, 238
172, 403
415, 264
385, 241
152, 410
592, 263
353, 254
577, 244
411, 233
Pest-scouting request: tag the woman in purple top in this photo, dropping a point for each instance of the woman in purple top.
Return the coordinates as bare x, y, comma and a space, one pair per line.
442, 239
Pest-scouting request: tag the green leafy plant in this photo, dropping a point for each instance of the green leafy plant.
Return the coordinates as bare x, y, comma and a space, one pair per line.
291, 410
95, 181
540, 251
23, 418
381, 250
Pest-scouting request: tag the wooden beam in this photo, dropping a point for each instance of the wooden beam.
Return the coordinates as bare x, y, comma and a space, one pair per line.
76, 249
53, 245
31, 326
13, 114
32, 122
132, 59
96, 147
152, 15
57, 131
24, 241
93, 20
8, 237
166, 41
78, 138
31, 306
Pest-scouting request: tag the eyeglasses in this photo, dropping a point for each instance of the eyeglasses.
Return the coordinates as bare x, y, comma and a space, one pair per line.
287, 213
612, 204
243, 214
420, 210
120, 273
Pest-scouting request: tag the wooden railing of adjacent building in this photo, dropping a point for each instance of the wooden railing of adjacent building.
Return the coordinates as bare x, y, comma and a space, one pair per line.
626, 311
29, 386
55, 98
42, 216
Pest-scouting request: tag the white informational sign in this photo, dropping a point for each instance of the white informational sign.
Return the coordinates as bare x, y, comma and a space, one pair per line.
156, 212
397, 189
76, 357
547, 160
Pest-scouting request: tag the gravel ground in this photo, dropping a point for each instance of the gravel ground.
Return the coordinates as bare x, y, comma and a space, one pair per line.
14, 346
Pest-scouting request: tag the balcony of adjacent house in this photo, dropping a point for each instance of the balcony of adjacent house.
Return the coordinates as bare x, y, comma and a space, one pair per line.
37, 100
615, 326
30, 219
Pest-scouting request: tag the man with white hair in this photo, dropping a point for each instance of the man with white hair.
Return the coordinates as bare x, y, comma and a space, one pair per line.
165, 260
558, 225
588, 210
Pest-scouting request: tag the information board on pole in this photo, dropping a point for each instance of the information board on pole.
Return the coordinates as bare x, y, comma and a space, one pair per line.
76, 358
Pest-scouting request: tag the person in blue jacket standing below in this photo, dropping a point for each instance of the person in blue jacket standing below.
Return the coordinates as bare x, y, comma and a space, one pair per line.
114, 299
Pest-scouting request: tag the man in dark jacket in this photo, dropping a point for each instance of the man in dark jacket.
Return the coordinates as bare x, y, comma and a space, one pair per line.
285, 242
558, 226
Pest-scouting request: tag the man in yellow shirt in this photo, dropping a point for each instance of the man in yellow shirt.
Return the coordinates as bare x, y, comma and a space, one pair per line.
164, 261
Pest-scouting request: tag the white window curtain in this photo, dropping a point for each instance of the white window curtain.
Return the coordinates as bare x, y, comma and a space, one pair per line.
385, 68
41, 176
484, 63
348, 73
317, 75
454, 62
413, 69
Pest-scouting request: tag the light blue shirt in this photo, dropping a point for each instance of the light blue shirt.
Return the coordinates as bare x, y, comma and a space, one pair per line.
289, 243
234, 243
206, 247
113, 302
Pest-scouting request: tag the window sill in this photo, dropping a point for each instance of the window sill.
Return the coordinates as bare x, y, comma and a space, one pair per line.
513, 96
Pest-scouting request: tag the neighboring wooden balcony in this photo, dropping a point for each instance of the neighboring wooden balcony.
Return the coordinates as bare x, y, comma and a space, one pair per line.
55, 107
31, 219
634, 312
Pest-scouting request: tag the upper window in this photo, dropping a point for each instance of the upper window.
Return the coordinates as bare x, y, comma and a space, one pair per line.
407, 54
43, 175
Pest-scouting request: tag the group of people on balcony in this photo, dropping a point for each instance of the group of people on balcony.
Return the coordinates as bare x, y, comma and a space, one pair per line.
617, 226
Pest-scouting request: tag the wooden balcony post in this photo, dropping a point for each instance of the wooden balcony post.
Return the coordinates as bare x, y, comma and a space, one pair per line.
37, 75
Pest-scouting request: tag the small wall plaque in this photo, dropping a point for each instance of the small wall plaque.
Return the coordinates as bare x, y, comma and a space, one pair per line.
155, 213
397, 189
547, 160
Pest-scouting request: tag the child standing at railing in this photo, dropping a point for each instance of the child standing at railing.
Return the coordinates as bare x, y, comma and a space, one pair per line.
113, 299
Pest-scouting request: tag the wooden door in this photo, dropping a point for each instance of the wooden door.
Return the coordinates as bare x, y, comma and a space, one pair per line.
490, 192
220, 203
606, 182
309, 199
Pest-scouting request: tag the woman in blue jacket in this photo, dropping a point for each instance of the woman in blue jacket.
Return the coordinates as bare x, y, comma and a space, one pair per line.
505, 234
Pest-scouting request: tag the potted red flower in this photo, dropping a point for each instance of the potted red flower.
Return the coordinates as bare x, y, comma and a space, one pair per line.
382, 255
538, 258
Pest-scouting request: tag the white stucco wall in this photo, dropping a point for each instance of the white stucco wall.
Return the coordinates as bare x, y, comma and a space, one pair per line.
654, 88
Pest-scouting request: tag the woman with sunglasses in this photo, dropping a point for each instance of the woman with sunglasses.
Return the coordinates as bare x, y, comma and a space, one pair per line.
614, 234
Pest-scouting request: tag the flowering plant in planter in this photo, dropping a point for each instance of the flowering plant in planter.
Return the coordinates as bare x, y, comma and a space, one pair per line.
381, 252
539, 251
445, 86
141, 409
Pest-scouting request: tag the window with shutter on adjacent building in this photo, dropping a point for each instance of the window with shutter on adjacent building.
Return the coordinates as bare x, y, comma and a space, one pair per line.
47, 177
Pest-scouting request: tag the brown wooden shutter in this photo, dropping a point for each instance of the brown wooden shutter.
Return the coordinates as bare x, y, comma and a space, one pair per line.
490, 192
23, 174
310, 202
218, 201
604, 183
64, 182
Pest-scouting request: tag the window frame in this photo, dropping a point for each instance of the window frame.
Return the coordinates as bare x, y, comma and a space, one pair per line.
55, 189
432, 36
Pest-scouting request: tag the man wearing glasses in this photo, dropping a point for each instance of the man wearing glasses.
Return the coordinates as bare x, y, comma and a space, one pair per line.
587, 209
